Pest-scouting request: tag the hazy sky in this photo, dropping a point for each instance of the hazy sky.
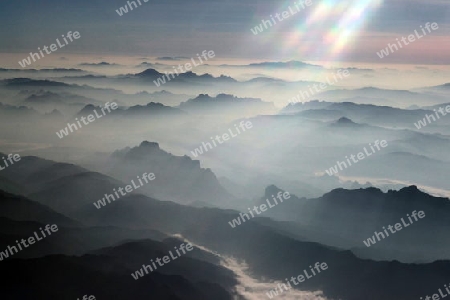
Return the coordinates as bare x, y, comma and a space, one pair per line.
327, 30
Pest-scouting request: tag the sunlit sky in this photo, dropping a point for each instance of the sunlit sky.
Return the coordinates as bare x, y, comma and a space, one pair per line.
328, 30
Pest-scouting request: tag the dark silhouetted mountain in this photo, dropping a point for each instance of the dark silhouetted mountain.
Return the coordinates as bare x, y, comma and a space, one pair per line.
63, 187
68, 193
151, 108
344, 122
196, 275
393, 97
88, 110
165, 97
145, 64
136, 252
188, 77
47, 101
100, 64
21, 217
21, 209
170, 58
33, 82
226, 104
89, 76
204, 99
273, 255
289, 64
150, 74
384, 116
66, 187
10, 111
178, 178
31, 172
12, 231
204, 77
55, 99
108, 277
345, 218
302, 106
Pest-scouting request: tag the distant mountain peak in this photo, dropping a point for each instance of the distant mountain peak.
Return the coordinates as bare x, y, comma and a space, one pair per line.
145, 149
220, 98
342, 193
203, 96
189, 74
345, 121
410, 188
410, 191
33, 82
281, 64
155, 104
147, 144
154, 108
149, 73
223, 95
271, 190
55, 113
89, 108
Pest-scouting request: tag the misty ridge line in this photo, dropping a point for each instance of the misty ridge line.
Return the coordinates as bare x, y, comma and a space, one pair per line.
398, 227
91, 118
31, 240
285, 14
27, 61
199, 150
144, 270
128, 189
423, 122
391, 48
323, 86
334, 170
300, 278
237, 221
124, 9
161, 80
